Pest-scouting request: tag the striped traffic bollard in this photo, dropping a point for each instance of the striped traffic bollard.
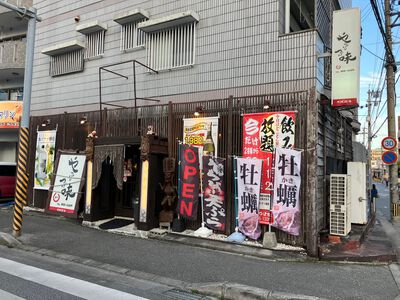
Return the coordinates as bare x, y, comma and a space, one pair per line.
21, 187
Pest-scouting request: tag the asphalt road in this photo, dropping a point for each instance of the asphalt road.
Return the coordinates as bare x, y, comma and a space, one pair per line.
197, 265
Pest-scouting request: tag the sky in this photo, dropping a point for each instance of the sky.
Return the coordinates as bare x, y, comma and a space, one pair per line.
371, 75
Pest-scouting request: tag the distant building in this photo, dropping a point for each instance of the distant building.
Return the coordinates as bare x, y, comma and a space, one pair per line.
12, 62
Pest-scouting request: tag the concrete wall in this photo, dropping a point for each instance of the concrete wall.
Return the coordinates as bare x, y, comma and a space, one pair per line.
238, 52
12, 54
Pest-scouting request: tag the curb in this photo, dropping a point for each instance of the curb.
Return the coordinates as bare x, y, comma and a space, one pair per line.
236, 291
8, 240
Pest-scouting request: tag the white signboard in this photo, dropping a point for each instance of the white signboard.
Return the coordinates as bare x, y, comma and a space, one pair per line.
44, 159
286, 206
346, 57
67, 183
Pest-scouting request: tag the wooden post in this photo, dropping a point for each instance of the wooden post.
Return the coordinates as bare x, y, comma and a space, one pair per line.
170, 129
311, 176
229, 149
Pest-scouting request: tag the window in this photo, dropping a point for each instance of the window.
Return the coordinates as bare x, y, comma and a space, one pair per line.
131, 36
95, 44
171, 48
296, 15
66, 63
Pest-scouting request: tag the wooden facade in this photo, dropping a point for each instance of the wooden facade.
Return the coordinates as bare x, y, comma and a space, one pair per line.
317, 135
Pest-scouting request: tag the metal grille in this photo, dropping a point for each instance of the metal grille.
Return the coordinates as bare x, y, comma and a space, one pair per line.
172, 48
131, 36
95, 44
66, 63
339, 205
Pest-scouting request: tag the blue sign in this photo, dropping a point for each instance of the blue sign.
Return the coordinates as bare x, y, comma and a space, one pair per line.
389, 157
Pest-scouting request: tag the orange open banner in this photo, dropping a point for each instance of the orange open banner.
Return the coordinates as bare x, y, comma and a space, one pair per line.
10, 114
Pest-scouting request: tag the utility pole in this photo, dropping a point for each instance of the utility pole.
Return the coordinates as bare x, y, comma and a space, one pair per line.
21, 188
391, 102
369, 139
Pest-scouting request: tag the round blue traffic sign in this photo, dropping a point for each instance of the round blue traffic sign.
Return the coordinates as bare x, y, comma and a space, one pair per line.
389, 157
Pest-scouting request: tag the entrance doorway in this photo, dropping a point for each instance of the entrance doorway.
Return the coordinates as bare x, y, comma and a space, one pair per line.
124, 204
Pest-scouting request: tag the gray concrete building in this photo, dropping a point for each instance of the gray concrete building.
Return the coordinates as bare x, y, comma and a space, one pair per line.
12, 62
202, 50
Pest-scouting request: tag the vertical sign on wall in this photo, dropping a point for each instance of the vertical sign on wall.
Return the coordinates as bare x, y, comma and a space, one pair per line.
214, 192
286, 201
262, 132
44, 158
346, 57
67, 183
188, 195
248, 192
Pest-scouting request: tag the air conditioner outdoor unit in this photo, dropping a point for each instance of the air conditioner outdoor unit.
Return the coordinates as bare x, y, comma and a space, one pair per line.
340, 222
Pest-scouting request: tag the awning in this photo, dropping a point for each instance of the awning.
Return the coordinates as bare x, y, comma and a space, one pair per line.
91, 27
131, 16
63, 48
169, 21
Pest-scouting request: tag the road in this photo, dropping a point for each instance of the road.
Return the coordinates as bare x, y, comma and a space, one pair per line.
165, 261
25, 275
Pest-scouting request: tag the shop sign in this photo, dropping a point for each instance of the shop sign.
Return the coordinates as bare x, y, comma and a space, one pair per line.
346, 33
10, 114
44, 159
248, 181
67, 183
262, 132
214, 192
286, 200
189, 180
203, 134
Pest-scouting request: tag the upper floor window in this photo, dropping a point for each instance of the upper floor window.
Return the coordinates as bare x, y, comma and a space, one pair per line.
94, 33
65, 58
131, 36
296, 15
171, 41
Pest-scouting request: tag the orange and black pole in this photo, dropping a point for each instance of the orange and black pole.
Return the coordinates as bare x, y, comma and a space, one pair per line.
21, 189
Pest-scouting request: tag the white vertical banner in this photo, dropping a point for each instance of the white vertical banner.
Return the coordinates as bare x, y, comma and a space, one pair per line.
44, 159
248, 183
346, 34
286, 200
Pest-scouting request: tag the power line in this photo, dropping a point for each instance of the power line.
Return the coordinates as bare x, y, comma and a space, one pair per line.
380, 126
363, 47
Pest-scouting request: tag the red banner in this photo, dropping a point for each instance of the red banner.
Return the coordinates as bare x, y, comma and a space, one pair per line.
262, 132
188, 182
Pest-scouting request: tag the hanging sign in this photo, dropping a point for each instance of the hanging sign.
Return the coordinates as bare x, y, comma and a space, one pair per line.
214, 192
346, 34
202, 133
44, 158
189, 182
262, 132
286, 206
67, 183
10, 114
248, 181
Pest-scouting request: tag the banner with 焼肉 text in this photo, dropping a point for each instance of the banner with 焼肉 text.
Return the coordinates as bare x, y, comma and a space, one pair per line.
189, 180
286, 200
214, 192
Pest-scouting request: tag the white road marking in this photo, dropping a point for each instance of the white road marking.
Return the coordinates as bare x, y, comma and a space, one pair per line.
73, 286
7, 296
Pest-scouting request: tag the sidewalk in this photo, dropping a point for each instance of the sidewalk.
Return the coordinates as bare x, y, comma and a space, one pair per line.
194, 268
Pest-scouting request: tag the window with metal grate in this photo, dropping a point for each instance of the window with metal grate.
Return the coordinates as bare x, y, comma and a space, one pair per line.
131, 36
95, 44
66, 63
172, 48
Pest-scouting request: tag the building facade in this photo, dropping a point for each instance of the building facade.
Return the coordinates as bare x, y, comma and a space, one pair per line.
12, 62
190, 52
